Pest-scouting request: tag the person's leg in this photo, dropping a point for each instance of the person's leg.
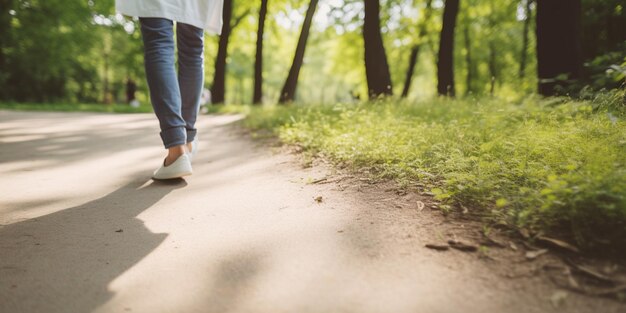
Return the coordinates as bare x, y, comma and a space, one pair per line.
190, 40
159, 58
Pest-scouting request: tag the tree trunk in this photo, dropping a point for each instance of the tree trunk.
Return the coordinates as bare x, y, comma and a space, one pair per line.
415, 50
106, 99
615, 28
219, 76
5, 30
493, 68
445, 62
558, 44
376, 67
468, 60
288, 92
524, 54
410, 70
258, 63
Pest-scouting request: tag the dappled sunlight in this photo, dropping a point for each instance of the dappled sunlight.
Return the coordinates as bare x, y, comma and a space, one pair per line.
71, 152
219, 120
243, 233
80, 180
251, 235
357, 156
72, 137
20, 138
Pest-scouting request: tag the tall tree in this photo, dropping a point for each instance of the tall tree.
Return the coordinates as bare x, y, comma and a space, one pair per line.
492, 24
493, 68
559, 53
218, 89
524, 54
376, 66
445, 62
468, 59
5, 29
416, 48
258, 61
288, 92
106, 56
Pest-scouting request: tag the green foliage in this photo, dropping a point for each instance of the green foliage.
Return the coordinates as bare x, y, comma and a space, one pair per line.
549, 165
607, 71
41, 41
66, 50
80, 51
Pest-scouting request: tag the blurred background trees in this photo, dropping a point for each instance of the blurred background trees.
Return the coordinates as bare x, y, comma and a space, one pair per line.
81, 51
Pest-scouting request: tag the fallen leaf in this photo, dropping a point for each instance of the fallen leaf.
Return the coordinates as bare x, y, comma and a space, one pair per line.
531, 255
491, 242
462, 246
512, 246
557, 244
555, 267
420, 206
317, 181
437, 247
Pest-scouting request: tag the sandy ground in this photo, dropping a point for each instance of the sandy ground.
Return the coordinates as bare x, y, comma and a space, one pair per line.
84, 229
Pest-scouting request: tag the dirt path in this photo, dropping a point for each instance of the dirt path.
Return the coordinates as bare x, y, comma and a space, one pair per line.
84, 229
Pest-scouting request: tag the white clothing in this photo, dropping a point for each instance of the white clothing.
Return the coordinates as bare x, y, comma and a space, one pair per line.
205, 14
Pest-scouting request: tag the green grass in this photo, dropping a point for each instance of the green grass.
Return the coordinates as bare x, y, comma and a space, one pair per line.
70, 107
554, 166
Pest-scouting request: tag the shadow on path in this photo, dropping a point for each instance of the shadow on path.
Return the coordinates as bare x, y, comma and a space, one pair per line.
233, 278
57, 139
64, 261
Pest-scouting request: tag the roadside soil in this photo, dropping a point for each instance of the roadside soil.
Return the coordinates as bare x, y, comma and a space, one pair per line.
254, 229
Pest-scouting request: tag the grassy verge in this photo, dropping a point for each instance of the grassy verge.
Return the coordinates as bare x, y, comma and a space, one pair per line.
67, 107
554, 166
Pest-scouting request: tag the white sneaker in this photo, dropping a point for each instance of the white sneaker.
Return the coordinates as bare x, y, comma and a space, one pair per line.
181, 167
194, 148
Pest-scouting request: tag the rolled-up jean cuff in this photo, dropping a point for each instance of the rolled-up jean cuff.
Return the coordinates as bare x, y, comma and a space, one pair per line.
174, 137
191, 134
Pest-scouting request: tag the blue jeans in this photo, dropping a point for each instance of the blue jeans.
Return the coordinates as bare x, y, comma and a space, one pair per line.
175, 97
